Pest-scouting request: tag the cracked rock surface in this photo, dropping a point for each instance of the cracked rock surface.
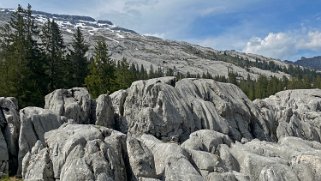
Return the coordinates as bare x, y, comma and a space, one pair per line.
164, 129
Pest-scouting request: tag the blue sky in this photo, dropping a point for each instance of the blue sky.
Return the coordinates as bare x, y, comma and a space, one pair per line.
284, 29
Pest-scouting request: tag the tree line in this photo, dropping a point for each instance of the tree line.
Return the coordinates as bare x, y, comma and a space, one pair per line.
35, 61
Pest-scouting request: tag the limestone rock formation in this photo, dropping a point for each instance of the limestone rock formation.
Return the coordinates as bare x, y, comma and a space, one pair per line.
172, 110
72, 103
191, 129
171, 161
78, 152
9, 135
104, 112
293, 113
141, 159
290, 159
35, 122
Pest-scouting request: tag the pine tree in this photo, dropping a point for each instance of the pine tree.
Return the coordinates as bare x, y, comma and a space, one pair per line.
151, 73
54, 49
36, 83
124, 77
170, 72
100, 79
20, 54
78, 61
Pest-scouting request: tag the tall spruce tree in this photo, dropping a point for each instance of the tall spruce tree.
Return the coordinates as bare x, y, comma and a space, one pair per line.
20, 59
124, 76
78, 61
54, 50
100, 79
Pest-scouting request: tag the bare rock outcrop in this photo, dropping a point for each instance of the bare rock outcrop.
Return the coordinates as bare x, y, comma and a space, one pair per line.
9, 135
35, 122
293, 113
191, 129
118, 99
291, 158
171, 161
104, 112
78, 152
141, 159
74, 104
171, 110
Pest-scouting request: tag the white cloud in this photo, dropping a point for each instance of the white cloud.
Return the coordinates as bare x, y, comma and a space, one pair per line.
159, 35
311, 41
273, 45
284, 44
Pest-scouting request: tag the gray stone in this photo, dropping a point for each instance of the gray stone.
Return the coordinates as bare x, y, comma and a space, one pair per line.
104, 111
293, 113
84, 152
206, 140
10, 126
179, 168
140, 158
35, 122
290, 159
72, 103
171, 161
37, 164
155, 107
206, 162
172, 110
118, 99
278, 172
224, 108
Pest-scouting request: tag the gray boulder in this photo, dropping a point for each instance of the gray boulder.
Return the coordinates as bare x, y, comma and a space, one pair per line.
80, 152
223, 107
172, 110
293, 113
206, 140
35, 122
104, 111
141, 159
4, 157
118, 100
72, 103
155, 107
37, 164
171, 161
9, 135
290, 159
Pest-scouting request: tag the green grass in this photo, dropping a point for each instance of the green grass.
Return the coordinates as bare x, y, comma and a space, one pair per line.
7, 178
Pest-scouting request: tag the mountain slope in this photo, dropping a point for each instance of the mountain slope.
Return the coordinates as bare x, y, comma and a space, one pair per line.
151, 51
313, 62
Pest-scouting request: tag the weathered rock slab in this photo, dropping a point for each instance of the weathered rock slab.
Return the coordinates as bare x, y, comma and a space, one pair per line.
74, 104
81, 152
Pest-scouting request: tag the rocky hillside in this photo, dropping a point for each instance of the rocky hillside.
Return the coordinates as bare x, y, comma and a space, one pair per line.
313, 62
180, 56
164, 129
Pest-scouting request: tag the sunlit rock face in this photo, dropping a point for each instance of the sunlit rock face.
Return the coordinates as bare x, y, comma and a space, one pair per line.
164, 129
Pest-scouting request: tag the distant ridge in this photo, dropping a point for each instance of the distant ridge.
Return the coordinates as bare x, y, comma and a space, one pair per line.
313, 62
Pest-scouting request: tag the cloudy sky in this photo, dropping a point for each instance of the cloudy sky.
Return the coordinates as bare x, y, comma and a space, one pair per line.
285, 29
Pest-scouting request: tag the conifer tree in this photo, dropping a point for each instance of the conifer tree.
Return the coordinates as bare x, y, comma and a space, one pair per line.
124, 77
100, 79
78, 61
20, 54
54, 50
